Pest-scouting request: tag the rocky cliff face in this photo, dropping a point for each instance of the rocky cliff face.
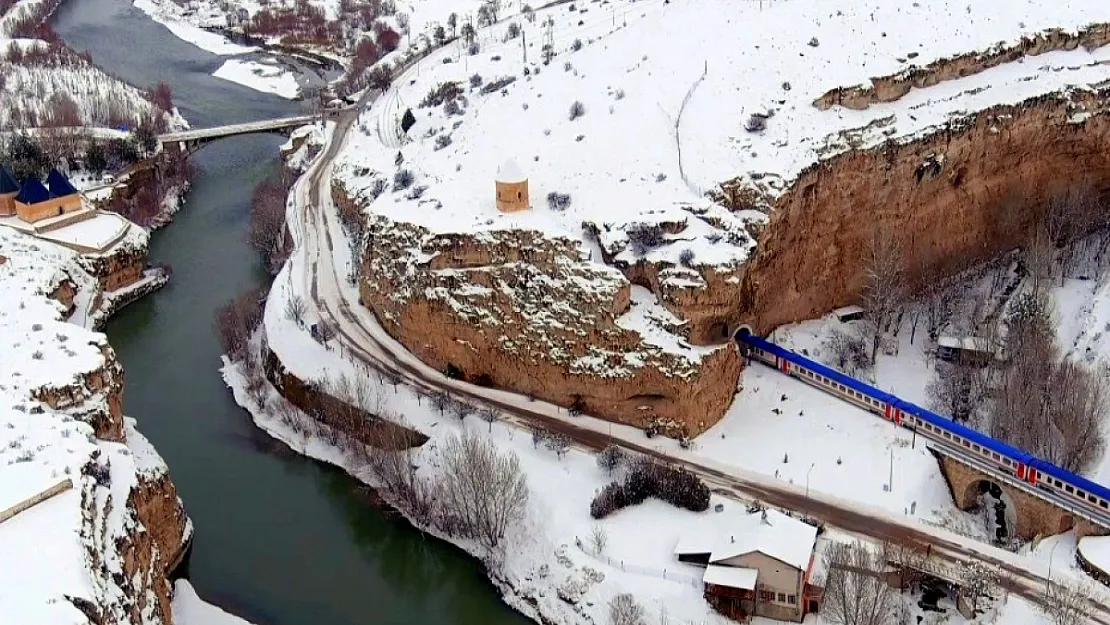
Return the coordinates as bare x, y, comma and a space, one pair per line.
891, 88
529, 312
61, 387
965, 192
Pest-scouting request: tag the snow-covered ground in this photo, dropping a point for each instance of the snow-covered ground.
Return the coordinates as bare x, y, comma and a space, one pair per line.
190, 609
260, 76
186, 24
663, 127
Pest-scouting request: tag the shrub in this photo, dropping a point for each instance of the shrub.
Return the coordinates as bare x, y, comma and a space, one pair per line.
558, 201
567, 66
451, 107
576, 46
403, 179
756, 123
610, 458
513, 31
475, 81
619, 94
474, 49
645, 478
443, 141
443, 92
686, 257
498, 84
577, 110
644, 237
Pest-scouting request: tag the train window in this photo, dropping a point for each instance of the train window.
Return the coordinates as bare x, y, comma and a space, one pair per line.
967, 443
948, 435
1080, 493
996, 457
1069, 489
1102, 502
976, 448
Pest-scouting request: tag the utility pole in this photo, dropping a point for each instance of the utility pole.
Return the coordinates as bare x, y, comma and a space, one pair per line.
524, 45
890, 483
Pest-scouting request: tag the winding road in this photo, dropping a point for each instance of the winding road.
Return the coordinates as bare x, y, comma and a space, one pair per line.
362, 338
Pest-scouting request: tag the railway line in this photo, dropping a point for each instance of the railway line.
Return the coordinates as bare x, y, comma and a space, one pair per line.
363, 339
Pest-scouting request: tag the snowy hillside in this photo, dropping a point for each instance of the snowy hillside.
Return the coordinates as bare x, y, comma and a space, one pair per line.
656, 130
50, 85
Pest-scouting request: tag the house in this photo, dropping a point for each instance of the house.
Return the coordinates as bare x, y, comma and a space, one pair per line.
757, 563
969, 350
32, 201
512, 188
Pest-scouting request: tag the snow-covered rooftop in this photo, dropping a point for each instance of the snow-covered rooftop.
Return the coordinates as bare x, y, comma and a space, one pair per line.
772, 533
510, 172
733, 577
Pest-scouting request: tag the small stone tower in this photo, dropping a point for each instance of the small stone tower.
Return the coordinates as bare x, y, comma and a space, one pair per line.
9, 188
512, 188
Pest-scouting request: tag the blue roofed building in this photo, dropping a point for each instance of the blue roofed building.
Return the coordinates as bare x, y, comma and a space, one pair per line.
33, 201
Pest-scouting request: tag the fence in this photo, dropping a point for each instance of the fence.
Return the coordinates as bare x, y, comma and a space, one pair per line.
670, 575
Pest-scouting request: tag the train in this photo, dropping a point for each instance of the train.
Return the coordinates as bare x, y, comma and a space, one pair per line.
1072, 492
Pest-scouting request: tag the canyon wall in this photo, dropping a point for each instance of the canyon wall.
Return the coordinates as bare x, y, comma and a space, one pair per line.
965, 192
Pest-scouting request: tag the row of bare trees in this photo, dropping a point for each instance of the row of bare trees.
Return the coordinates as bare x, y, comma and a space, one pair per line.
1046, 404
267, 220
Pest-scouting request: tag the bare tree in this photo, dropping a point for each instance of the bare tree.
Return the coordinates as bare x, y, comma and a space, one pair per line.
956, 390
295, 309
441, 400
979, 585
598, 539
558, 443
883, 289
847, 352
1038, 255
462, 409
1046, 405
1067, 603
391, 459
489, 415
539, 435
325, 331
855, 591
483, 491
623, 610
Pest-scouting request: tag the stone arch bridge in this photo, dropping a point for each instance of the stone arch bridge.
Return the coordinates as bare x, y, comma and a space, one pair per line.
1035, 513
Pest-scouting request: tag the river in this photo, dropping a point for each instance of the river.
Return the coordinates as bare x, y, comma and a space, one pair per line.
280, 540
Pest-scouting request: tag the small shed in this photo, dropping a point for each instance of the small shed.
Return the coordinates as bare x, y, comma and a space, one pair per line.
848, 313
512, 188
969, 350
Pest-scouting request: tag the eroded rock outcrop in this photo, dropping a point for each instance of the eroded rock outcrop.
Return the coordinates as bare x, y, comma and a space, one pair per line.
891, 88
522, 310
942, 194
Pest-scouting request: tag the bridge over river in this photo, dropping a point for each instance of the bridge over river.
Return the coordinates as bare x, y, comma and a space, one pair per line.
193, 139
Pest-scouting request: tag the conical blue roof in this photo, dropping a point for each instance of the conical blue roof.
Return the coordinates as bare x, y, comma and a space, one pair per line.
58, 184
32, 192
7, 181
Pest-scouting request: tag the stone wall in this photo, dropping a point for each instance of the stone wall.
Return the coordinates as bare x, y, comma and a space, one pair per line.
964, 193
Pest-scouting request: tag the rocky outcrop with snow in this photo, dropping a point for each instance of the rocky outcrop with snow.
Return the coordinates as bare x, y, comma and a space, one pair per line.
524, 310
114, 534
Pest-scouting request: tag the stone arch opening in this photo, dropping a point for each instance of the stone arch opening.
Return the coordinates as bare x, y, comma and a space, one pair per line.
1067, 522
993, 506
